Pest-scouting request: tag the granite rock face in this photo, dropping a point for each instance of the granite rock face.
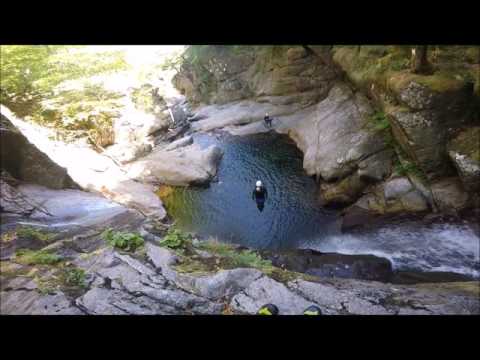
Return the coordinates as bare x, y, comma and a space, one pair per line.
24, 161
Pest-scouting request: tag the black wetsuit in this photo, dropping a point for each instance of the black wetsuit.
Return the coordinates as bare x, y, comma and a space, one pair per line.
268, 120
260, 195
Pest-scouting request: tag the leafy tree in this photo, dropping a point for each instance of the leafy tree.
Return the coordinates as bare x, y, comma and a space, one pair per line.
20, 68
31, 74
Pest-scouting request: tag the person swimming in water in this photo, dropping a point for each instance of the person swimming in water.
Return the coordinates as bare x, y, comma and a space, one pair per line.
260, 194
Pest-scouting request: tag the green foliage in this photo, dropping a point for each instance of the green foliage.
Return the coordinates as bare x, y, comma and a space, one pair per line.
69, 279
46, 286
73, 277
173, 62
176, 239
88, 111
400, 64
31, 257
238, 258
240, 49
33, 74
250, 258
31, 233
146, 98
379, 121
20, 68
193, 54
122, 240
405, 168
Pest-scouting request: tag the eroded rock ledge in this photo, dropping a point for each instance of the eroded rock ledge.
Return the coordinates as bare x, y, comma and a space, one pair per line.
121, 284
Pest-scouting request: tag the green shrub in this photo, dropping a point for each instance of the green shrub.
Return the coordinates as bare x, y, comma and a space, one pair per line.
238, 258
250, 258
379, 121
122, 240
31, 257
31, 233
74, 277
32, 74
408, 168
176, 239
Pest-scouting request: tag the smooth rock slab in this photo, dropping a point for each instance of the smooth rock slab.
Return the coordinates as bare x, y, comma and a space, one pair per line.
334, 301
266, 290
397, 187
187, 140
226, 283
222, 284
100, 301
21, 302
183, 166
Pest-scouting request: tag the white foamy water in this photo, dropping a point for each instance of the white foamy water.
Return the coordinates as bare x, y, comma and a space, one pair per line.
438, 247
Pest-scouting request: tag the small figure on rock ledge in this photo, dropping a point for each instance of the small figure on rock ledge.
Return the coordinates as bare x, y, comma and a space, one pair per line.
268, 120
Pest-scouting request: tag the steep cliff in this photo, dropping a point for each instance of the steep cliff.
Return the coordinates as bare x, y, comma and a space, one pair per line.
360, 114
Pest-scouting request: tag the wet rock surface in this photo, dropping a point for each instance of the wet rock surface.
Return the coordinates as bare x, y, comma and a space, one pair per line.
329, 265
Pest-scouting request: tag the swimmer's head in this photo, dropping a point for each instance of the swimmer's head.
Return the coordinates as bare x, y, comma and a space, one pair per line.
259, 183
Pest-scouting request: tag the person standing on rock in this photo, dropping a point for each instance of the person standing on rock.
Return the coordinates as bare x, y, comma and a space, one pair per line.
260, 194
268, 120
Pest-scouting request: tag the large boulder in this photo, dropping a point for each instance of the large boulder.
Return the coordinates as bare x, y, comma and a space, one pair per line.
24, 161
133, 133
396, 196
182, 166
449, 195
464, 151
343, 192
430, 107
333, 135
128, 152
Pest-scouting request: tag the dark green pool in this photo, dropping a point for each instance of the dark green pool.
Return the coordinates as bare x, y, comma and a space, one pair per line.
225, 209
